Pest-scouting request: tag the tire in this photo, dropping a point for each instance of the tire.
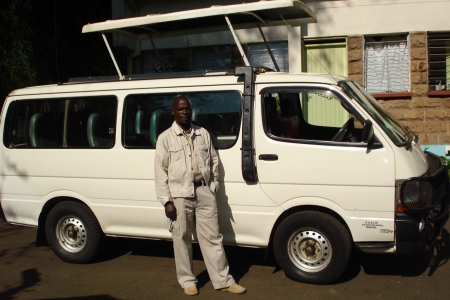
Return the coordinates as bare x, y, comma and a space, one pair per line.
312, 247
74, 233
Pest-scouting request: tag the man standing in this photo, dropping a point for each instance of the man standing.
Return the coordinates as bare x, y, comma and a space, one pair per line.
186, 179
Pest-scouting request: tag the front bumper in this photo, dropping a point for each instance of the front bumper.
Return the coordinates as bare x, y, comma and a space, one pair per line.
427, 200
416, 233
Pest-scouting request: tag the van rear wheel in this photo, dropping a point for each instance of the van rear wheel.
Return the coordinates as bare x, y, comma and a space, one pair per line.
312, 246
74, 233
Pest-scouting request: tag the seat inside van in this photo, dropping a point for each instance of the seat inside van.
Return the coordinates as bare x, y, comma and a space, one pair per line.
272, 122
98, 132
76, 132
43, 132
142, 127
159, 121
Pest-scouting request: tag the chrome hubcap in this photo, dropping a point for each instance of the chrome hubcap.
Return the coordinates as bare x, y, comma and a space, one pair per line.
71, 234
309, 250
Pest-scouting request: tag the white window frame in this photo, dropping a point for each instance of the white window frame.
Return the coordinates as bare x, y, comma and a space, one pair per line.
387, 63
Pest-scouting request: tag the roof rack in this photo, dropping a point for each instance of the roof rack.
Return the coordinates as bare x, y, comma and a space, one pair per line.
153, 76
211, 19
93, 79
161, 75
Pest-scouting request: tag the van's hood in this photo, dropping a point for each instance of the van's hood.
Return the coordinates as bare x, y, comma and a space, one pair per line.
410, 162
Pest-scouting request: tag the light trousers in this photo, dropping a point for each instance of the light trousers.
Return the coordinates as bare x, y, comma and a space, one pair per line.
204, 207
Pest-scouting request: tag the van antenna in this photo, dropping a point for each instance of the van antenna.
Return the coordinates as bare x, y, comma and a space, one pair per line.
56, 47
312, 53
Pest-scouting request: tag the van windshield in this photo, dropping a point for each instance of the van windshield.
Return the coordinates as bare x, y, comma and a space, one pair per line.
397, 133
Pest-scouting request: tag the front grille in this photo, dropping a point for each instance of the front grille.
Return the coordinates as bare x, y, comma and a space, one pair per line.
429, 191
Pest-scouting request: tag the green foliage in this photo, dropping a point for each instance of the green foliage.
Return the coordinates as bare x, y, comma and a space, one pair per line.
446, 163
41, 42
16, 51
446, 160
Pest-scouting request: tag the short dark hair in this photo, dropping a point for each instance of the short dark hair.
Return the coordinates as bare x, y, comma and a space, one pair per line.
178, 96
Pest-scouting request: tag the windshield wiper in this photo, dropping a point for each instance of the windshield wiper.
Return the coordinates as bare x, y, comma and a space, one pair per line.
410, 137
414, 137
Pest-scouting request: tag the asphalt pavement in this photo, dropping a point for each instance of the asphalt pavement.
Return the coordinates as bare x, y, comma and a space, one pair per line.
145, 269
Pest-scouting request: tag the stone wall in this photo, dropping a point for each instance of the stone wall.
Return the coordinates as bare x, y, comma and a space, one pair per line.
429, 117
356, 58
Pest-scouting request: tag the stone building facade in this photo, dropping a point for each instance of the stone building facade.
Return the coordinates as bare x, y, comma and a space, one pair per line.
426, 112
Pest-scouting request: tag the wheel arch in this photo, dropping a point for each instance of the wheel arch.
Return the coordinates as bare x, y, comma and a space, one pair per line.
41, 239
299, 208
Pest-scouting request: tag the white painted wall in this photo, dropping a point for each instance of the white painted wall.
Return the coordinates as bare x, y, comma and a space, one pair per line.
335, 18
360, 17
338, 17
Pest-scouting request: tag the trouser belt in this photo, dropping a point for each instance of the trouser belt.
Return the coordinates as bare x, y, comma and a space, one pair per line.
199, 183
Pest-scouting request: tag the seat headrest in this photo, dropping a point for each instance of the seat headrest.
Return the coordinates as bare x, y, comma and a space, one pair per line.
98, 132
42, 131
270, 105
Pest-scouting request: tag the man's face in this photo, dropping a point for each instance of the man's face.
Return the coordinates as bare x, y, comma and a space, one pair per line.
182, 111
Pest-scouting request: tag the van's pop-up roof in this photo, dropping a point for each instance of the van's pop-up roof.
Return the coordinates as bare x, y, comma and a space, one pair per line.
211, 19
245, 15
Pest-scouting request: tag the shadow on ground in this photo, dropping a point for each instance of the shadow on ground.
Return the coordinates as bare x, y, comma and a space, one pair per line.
401, 265
241, 259
30, 278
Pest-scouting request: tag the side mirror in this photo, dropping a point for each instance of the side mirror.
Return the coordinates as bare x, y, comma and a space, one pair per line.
367, 135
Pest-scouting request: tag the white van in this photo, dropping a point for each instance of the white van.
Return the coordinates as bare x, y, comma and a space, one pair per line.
310, 166
77, 161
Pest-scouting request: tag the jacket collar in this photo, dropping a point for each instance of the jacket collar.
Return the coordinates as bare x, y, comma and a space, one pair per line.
179, 131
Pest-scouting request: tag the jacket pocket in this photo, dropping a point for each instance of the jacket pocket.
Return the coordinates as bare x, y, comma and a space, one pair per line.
203, 151
176, 152
213, 187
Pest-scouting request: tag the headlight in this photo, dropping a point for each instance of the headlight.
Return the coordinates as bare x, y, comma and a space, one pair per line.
416, 194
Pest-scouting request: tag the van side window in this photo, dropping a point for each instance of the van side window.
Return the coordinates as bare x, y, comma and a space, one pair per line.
146, 116
85, 122
309, 114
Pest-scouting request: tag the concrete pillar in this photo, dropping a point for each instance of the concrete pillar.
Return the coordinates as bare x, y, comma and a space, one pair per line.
295, 48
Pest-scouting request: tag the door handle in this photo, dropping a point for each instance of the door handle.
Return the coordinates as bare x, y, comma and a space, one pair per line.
268, 157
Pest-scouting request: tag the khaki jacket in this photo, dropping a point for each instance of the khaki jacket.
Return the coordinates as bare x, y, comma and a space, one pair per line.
173, 171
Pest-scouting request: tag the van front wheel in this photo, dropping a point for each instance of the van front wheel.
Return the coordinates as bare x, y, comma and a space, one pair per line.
74, 233
312, 246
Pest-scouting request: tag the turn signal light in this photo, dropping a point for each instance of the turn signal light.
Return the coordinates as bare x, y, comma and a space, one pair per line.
401, 208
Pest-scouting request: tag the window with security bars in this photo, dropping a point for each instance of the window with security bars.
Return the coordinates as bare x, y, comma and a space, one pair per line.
167, 60
211, 58
439, 61
386, 66
259, 56
184, 59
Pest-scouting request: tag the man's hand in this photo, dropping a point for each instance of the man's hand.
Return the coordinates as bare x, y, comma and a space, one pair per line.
171, 211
